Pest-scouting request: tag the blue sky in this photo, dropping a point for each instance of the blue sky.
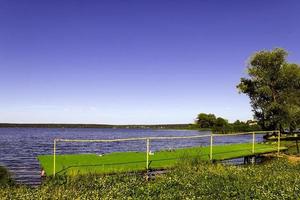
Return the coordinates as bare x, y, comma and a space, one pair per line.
134, 62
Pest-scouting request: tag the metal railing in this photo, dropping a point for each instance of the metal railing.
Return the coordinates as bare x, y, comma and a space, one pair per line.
148, 139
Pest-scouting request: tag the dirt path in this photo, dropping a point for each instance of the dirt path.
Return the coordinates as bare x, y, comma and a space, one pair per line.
293, 159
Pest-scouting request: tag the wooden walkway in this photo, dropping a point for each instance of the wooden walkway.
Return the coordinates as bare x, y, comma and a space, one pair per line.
73, 164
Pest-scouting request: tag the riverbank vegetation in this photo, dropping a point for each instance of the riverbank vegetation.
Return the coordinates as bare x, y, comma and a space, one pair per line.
221, 125
191, 179
5, 178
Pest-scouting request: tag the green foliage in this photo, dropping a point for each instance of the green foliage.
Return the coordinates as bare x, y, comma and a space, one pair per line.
274, 89
191, 180
221, 125
206, 120
5, 178
244, 126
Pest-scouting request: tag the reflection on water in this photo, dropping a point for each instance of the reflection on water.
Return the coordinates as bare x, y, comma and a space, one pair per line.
21, 146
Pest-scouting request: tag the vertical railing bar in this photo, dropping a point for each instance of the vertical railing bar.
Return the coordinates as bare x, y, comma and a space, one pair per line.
278, 147
147, 154
54, 157
211, 146
253, 142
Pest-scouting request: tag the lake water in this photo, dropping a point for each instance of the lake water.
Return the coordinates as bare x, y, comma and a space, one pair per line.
19, 147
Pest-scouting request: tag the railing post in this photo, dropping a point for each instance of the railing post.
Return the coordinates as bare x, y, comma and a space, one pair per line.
147, 154
278, 143
253, 142
54, 157
211, 147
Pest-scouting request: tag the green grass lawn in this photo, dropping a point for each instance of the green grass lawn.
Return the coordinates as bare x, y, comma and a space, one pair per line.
73, 164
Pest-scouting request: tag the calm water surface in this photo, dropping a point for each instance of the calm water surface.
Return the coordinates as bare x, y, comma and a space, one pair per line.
19, 147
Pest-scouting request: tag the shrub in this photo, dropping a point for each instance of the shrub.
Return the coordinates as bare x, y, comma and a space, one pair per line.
5, 178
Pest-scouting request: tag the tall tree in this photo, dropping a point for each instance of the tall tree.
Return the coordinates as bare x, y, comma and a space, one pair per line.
221, 125
291, 96
206, 120
273, 88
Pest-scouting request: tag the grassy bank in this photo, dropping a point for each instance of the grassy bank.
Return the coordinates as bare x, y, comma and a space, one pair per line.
191, 179
293, 148
136, 161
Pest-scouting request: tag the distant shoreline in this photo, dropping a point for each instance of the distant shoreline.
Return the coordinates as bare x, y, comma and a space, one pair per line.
54, 125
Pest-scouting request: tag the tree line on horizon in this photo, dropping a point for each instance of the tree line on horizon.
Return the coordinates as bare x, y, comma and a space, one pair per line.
221, 125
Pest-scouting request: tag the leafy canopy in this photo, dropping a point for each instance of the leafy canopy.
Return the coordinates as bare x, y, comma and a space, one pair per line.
273, 87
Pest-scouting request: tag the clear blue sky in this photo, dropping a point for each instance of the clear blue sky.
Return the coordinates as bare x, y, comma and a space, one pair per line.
134, 62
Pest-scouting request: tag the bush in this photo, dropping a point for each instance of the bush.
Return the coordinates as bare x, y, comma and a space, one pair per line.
5, 178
